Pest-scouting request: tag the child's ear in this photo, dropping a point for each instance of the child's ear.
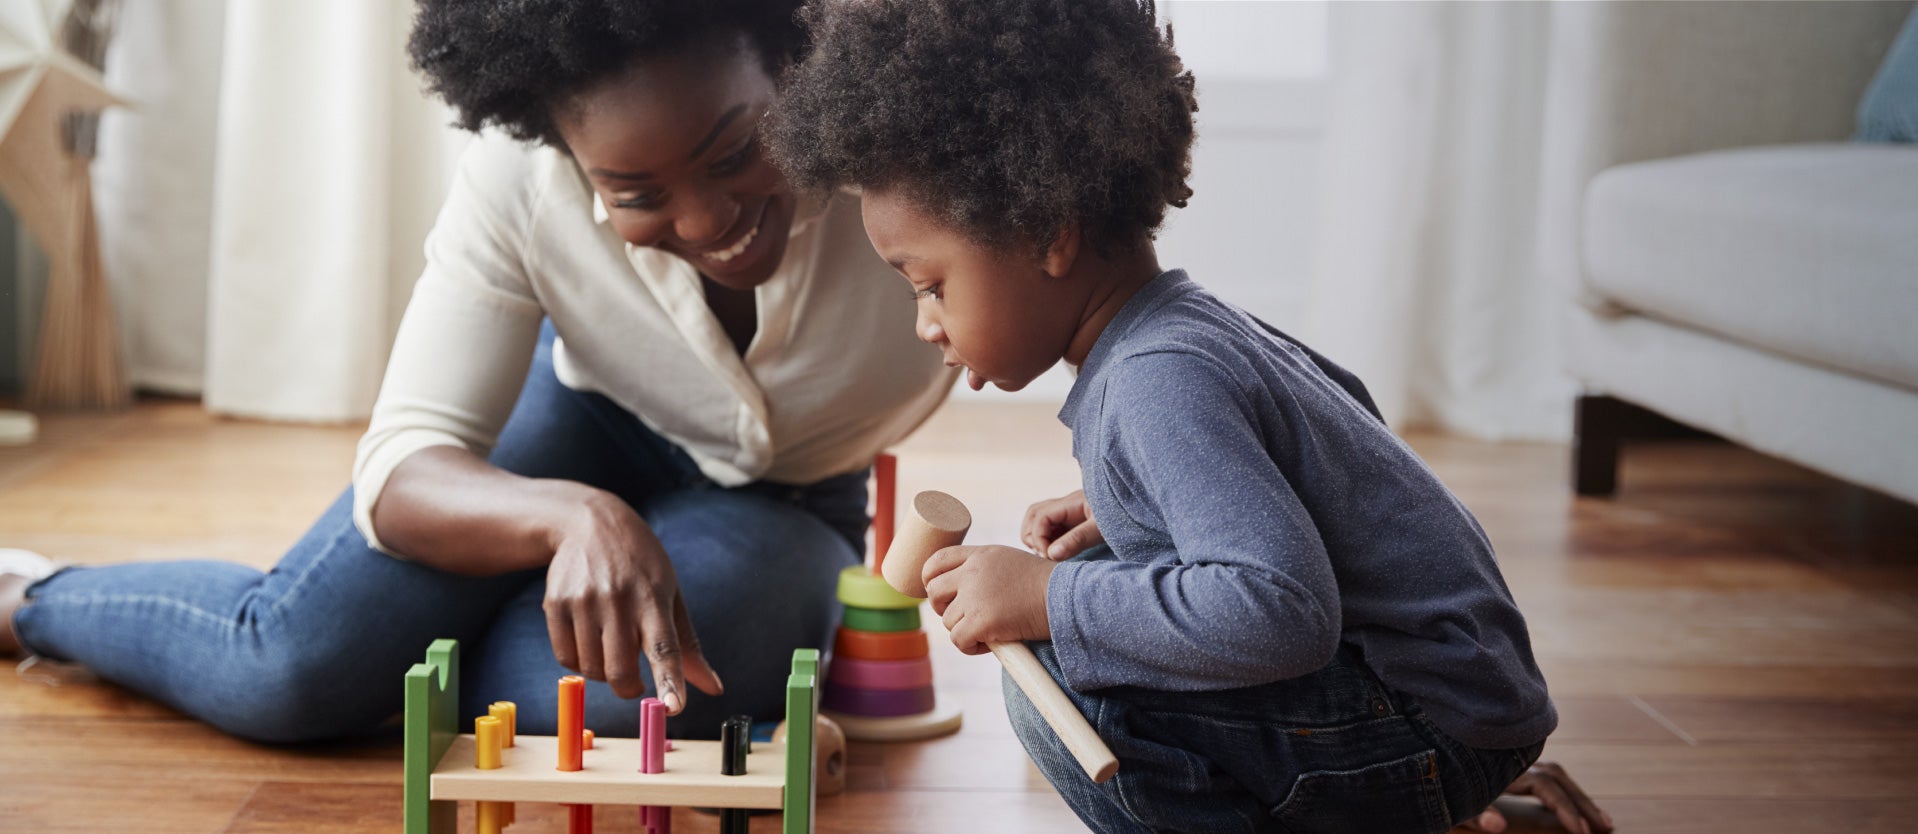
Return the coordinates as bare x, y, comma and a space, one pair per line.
1063, 251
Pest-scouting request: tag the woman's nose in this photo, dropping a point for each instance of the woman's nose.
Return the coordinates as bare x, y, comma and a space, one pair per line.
704, 220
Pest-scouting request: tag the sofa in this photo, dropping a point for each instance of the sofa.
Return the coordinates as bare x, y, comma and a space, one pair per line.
1730, 260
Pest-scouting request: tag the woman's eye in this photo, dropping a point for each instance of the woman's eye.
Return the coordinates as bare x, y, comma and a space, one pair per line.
643, 202
737, 161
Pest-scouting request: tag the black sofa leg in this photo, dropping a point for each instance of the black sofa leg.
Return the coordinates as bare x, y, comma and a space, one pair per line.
1598, 423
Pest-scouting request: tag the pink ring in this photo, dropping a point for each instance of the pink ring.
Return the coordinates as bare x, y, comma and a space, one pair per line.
881, 674
877, 702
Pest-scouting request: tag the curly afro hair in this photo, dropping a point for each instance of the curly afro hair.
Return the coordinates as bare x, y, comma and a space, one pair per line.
511, 63
1009, 119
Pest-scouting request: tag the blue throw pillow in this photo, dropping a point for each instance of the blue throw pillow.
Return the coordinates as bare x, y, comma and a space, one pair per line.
1889, 112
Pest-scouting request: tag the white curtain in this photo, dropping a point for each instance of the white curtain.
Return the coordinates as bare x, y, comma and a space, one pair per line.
1427, 283
265, 201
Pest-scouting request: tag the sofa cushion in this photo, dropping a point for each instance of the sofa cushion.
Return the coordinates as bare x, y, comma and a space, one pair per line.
1807, 250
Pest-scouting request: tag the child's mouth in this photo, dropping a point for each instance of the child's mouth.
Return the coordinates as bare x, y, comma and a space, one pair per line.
974, 380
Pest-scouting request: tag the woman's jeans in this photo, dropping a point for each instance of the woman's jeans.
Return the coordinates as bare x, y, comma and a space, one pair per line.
1333, 751
318, 647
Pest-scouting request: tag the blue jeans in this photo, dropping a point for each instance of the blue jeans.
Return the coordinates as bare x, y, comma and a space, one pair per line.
1333, 751
317, 647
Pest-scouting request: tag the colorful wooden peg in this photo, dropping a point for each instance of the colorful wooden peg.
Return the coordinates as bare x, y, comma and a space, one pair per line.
657, 819
572, 719
508, 714
488, 736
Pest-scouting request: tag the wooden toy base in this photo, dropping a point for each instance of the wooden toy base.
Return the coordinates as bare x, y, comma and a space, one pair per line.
612, 775
945, 719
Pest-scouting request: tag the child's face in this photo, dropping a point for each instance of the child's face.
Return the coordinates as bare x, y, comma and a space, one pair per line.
1001, 314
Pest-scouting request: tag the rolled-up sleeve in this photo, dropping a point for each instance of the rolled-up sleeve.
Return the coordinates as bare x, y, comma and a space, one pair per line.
469, 332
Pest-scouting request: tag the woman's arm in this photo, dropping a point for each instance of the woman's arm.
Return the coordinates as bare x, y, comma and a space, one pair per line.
610, 589
446, 508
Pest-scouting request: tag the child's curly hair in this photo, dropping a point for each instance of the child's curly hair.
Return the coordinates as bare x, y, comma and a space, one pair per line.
510, 63
1008, 118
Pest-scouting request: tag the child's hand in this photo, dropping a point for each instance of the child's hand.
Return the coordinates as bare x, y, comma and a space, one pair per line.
989, 594
1061, 528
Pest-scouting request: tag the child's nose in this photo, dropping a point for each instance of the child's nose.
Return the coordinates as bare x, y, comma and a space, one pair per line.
931, 332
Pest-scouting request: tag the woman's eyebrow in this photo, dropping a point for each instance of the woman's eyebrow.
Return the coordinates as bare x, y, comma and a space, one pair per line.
724, 120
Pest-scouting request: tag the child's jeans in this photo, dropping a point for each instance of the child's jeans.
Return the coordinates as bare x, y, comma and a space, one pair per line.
1333, 751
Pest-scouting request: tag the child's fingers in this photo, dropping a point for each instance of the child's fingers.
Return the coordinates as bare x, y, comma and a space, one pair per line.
964, 637
940, 592
1074, 542
1047, 519
941, 561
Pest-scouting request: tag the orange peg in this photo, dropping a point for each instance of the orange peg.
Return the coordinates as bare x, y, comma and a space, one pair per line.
572, 718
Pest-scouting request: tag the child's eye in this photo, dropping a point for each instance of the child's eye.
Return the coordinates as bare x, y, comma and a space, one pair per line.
929, 292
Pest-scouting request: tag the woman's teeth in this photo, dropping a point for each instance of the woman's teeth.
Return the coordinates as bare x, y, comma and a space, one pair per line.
734, 250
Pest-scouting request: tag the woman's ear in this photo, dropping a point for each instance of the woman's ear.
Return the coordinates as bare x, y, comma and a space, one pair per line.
1063, 252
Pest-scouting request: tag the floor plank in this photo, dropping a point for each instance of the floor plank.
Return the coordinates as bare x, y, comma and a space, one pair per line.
1732, 641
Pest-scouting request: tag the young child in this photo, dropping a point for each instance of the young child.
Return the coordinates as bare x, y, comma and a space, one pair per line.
1292, 625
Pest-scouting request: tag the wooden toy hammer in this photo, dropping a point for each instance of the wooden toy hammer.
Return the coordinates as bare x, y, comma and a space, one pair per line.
938, 520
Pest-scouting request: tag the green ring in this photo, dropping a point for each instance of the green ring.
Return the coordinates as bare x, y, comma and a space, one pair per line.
861, 588
879, 619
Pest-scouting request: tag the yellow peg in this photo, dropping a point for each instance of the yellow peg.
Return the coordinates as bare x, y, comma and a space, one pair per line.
488, 734
508, 713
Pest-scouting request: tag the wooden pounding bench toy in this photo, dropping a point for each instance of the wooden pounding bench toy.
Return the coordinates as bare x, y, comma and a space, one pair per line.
495, 767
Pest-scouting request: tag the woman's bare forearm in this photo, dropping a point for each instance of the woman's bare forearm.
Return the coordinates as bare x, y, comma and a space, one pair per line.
446, 508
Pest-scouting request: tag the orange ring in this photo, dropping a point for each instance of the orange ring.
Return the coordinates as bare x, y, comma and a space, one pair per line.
879, 645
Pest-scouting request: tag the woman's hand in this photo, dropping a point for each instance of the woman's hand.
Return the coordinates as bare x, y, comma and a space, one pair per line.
989, 594
1060, 528
610, 594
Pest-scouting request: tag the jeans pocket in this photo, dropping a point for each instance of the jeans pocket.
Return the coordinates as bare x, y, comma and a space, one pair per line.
1402, 796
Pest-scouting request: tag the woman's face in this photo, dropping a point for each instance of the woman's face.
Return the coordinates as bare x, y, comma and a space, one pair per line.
672, 148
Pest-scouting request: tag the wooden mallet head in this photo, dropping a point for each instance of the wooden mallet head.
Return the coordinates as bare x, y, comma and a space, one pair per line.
936, 521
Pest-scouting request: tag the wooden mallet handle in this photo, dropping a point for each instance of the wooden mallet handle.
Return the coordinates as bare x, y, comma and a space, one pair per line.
938, 520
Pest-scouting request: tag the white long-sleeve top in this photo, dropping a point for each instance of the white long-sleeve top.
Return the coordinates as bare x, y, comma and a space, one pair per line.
834, 373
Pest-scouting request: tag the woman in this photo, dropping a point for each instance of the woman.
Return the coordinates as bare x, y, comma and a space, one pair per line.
713, 365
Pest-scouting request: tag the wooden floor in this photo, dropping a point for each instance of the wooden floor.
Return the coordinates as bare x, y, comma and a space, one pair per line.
1732, 642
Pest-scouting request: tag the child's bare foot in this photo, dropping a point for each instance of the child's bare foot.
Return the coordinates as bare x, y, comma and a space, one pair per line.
18, 569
